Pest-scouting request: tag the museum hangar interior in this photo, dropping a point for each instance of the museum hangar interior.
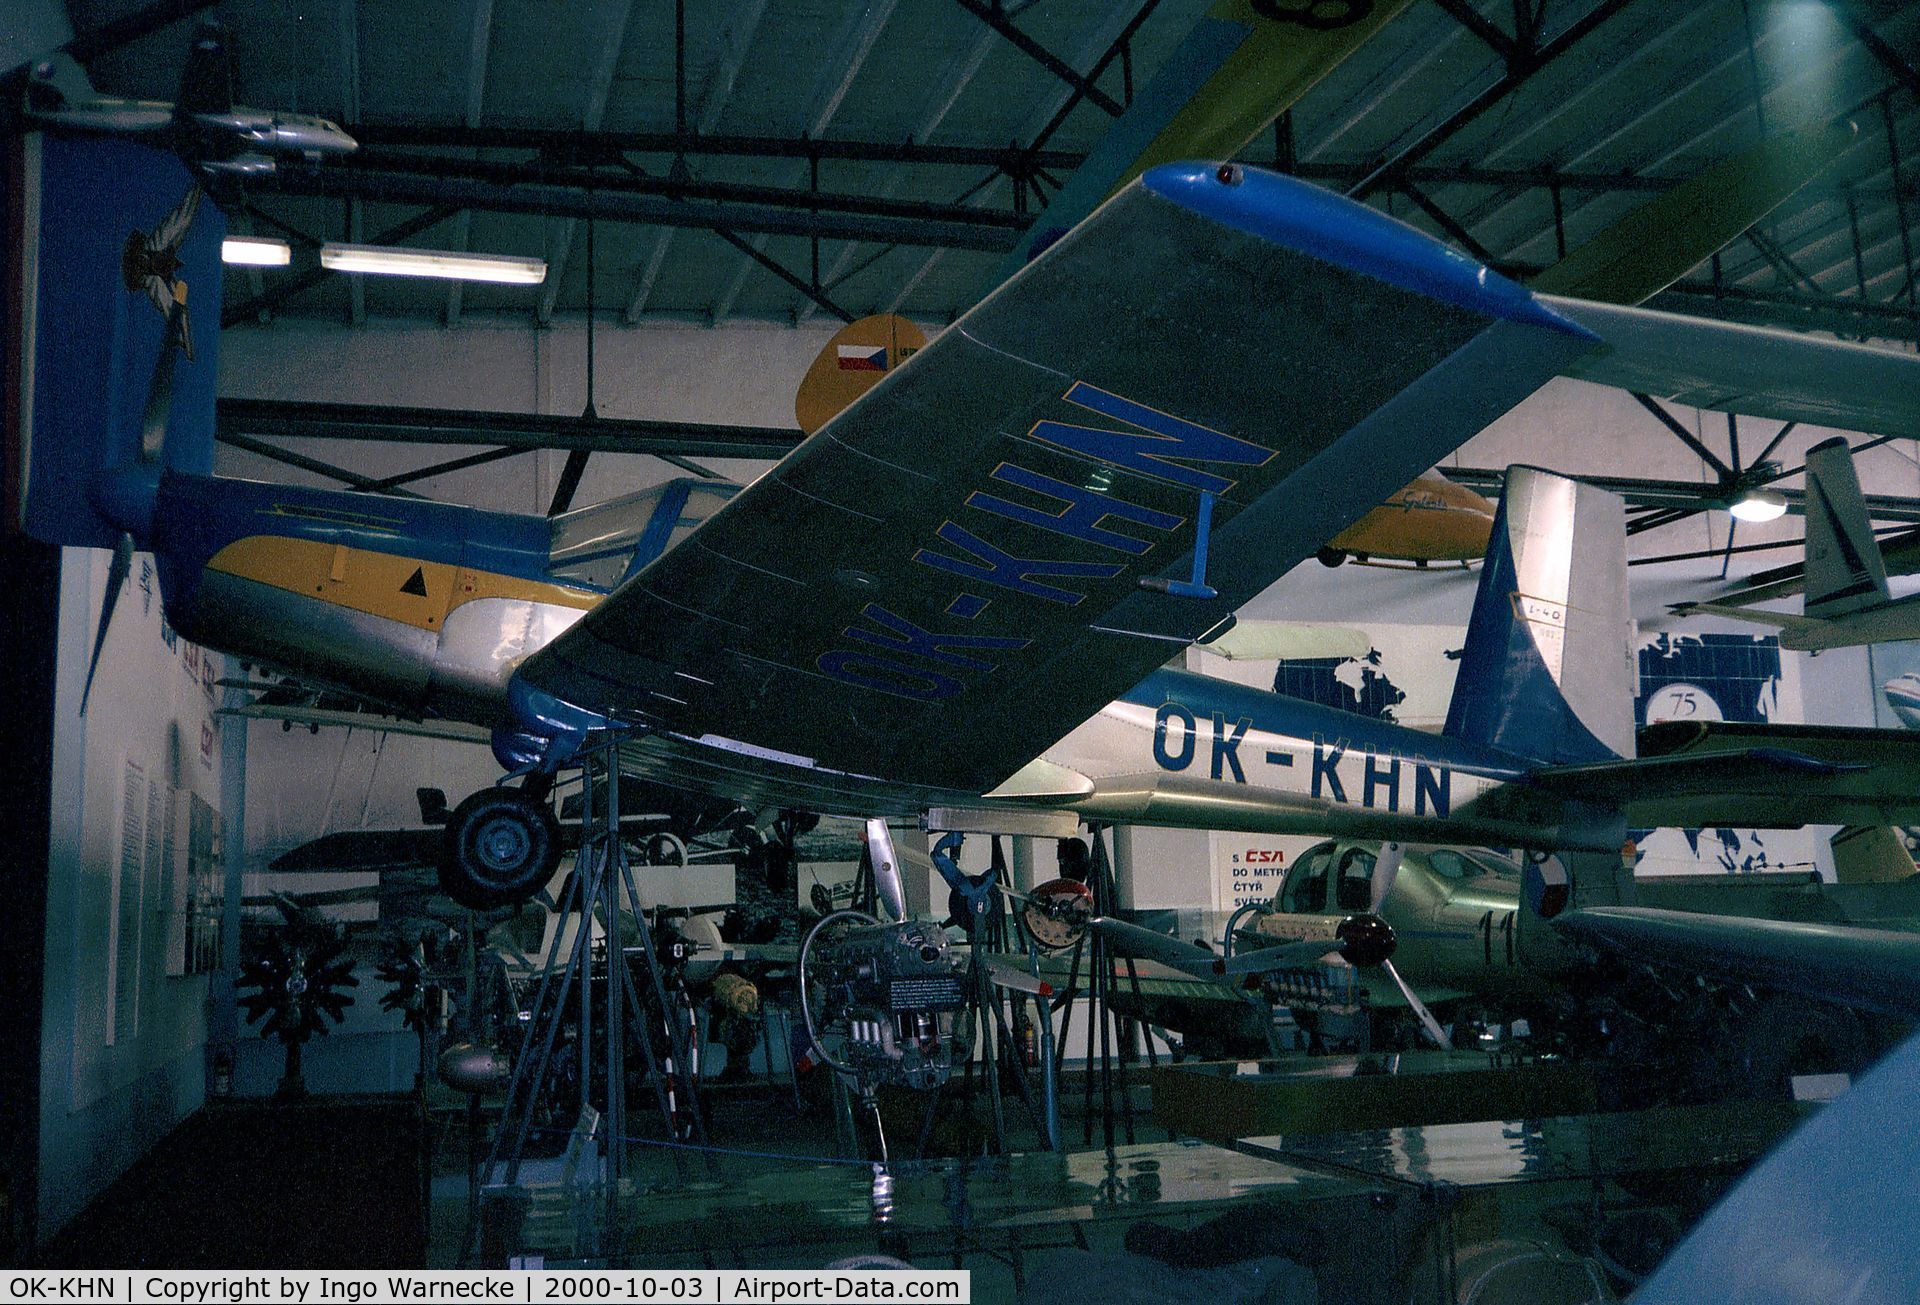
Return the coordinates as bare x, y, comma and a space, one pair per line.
1338, 730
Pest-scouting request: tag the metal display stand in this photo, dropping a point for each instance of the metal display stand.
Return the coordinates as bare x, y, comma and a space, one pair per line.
595, 890
1111, 1032
984, 917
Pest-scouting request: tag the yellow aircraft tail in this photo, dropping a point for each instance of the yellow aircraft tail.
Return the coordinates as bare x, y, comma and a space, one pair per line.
1870, 854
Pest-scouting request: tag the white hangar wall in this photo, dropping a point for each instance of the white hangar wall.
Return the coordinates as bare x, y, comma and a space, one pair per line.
747, 374
134, 891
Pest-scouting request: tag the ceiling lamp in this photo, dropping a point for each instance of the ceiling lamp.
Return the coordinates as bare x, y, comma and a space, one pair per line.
255, 251
446, 264
1759, 505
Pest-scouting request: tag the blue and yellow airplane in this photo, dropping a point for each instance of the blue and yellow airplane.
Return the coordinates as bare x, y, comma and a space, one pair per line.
957, 595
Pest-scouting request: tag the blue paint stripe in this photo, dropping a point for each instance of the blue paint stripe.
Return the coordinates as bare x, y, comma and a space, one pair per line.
1337, 230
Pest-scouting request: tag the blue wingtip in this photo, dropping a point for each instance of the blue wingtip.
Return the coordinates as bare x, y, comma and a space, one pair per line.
1349, 234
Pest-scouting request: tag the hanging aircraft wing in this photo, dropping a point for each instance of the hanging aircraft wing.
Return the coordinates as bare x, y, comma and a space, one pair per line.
1656, 244
1693, 774
990, 545
1752, 370
1241, 66
1873, 969
1900, 552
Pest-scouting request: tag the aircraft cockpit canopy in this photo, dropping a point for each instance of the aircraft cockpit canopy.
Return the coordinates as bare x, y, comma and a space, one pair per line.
1339, 876
601, 545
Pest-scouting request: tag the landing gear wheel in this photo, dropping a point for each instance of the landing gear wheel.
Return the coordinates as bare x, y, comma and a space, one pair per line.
1330, 556
500, 848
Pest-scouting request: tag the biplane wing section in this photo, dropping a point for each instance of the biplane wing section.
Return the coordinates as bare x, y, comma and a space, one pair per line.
978, 554
1747, 369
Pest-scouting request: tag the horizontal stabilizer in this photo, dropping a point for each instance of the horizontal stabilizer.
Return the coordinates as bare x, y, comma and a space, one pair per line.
1751, 615
1253, 641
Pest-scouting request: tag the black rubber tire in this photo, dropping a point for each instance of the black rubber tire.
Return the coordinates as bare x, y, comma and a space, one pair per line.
499, 849
1330, 556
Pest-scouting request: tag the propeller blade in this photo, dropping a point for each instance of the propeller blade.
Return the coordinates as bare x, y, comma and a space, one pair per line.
1385, 870
888, 886
116, 578
1008, 976
1419, 1008
153, 420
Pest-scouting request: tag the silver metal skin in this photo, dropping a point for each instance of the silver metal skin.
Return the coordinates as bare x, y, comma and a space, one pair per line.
461, 672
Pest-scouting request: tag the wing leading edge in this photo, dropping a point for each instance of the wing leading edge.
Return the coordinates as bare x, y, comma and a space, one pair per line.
1694, 774
1868, 968
946, 578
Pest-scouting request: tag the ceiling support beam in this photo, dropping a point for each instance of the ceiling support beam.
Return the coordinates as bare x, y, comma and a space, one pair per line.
1896, 63
1100, 39
352, 479
996, 18
480, 459
960, 74
388, 424
1470, 18
737, 40
704, 142
350, 109
858, 36
1788, 310
599, 90
633, 181
814, 293
988, 231
479, 42
1721, 469
1519, 68
1119, 48
1460, 234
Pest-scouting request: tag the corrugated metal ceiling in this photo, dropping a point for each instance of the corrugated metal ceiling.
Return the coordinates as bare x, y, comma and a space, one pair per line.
1656, 90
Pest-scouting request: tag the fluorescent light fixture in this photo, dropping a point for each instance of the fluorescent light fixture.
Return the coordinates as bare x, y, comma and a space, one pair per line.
1759, 505
255, 251
447, 264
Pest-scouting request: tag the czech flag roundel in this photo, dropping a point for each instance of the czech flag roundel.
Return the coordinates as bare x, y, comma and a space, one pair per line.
1547, 887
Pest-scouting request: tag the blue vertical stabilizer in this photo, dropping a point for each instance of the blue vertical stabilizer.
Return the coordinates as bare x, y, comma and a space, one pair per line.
1547, 671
